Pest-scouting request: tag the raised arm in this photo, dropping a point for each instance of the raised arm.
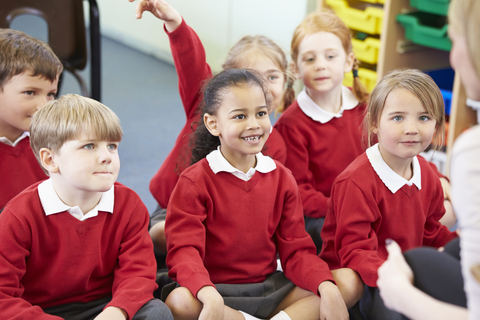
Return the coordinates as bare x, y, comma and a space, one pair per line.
187, 50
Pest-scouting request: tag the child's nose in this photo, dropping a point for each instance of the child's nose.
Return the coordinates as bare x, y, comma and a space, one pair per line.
253, 123
105, 156
411, 128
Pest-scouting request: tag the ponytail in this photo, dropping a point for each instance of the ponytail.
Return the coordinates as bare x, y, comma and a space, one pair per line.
358, 89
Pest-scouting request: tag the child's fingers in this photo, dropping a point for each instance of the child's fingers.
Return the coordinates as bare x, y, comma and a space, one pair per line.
141, 7
393, 248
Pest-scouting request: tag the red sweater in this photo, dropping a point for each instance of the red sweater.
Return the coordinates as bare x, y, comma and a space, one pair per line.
221, 229
192, 69
319, 152
18, 169
53, 260
363, 213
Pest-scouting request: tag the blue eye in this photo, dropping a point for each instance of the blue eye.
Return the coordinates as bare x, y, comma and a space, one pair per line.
88, 146
112, 146
397, 118
424, 118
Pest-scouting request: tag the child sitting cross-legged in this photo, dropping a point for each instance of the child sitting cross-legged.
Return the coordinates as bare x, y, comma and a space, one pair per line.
76, 246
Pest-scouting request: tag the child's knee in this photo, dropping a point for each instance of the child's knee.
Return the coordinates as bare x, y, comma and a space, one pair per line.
350, 285
183, 304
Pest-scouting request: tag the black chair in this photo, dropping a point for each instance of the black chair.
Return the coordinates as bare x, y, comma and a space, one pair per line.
66, 34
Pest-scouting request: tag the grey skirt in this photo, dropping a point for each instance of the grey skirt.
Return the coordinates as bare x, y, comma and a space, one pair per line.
256, 299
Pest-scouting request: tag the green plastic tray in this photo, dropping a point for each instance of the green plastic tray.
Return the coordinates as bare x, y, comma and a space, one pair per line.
432, 6
426, 29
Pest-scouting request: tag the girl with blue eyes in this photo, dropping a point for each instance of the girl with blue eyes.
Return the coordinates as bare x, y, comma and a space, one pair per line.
232, 211
388, 192
322, 128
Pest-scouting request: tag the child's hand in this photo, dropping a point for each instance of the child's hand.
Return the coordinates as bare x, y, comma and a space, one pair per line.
112, 313
332, 305
161, 10
394, 275
213, 305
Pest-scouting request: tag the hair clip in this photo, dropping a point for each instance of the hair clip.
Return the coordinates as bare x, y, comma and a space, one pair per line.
355, 73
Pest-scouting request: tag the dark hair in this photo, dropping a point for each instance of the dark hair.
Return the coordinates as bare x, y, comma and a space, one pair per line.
202, 141
20, 52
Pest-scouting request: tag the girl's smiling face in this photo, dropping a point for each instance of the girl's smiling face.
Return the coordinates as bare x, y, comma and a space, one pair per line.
242, 124
404, 129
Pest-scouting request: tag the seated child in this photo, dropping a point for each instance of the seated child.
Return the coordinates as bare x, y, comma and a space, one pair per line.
254, 52
388, 192
29, 73
77, 243
232, 211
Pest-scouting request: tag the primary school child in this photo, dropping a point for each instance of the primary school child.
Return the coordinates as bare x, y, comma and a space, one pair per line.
76, 246
255, 52
29, 73
232, 211
322, 129
435, 297
388, 192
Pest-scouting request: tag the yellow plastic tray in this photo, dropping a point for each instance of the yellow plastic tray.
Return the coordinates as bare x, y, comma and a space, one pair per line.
375, 1
367, 77
368, 20
366, 50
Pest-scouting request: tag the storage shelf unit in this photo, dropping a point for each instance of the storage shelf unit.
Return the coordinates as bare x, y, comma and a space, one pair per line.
396, 51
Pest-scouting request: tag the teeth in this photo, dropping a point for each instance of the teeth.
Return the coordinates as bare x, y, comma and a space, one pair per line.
252, 138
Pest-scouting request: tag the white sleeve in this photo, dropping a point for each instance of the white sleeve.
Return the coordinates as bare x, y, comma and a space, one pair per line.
465, 182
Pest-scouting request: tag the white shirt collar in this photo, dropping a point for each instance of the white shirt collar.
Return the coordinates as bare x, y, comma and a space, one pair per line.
217, 163
52, 204
314, 111
13, 144
389, 177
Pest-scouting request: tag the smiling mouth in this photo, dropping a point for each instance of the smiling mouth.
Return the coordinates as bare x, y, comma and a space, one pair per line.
252, 138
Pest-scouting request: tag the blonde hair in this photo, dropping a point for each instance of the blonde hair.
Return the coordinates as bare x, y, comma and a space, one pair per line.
262, 45
326, 21
463, 18
20, 52
67, 118
419, 84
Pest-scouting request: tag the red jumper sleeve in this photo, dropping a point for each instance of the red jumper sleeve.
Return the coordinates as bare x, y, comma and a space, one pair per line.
14, 252
296, 248
134, 275
355, 240
186, 236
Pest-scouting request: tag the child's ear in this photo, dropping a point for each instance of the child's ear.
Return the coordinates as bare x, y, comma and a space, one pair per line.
211, 124
48, 161
295, 71
373, 127
350, 59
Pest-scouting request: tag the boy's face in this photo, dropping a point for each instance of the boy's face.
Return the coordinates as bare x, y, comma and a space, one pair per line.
85, 166
21, 97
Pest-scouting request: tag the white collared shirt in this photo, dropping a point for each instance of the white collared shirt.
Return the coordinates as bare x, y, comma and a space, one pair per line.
13, 144
390, 178
217, 163
52, 204
314, 111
